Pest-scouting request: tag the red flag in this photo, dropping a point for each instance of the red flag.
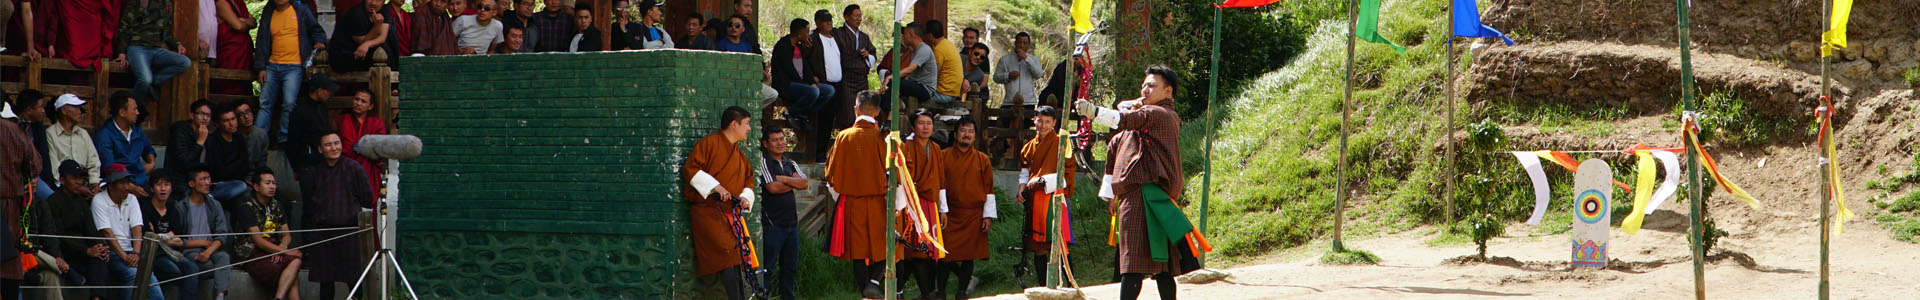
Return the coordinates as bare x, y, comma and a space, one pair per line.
1245, 3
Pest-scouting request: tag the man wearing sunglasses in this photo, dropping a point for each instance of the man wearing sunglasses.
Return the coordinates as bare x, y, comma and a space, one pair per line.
736, 40
479, 32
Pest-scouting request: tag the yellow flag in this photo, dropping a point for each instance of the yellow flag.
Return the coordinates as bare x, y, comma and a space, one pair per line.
1083, 16
1836, 35
1642, 192
1833, 159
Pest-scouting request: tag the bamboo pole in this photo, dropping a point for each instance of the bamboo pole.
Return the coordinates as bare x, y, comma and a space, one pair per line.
1693, 164
1340, 167
1826, 195
1446, 194
1213, 95
893, 88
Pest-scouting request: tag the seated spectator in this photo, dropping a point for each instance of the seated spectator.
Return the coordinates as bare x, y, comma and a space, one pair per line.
736, 40
357, 32
233, 46
357, 123
69, 212
227, 153
552, 28
284, 47
478, 32
976, 60
796, 72
67, 140
751, 33
199, 214
146, 47
952, 76
645, 35
920, 70
256, 138
121, 141
618, 32
588, 38
263, 214
514, 43
158, 215
433, 28
116, 214
697, 38
187, 139
309, 121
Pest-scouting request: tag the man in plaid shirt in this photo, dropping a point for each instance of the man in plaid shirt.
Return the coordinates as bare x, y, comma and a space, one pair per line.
18, 163
1146, 178
551, 29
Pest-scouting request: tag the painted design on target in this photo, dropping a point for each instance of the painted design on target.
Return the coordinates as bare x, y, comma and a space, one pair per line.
1592, 205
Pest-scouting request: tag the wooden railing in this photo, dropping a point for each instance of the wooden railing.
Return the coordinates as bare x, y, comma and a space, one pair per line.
54, 76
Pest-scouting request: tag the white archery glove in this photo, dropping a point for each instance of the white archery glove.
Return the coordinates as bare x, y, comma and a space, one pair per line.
1102, 116
1106, 188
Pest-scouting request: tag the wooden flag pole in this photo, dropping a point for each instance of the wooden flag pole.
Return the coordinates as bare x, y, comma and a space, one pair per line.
1213, 94
1693, 163
1340, 167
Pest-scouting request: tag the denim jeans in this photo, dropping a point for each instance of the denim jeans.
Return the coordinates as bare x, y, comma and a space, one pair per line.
218, 259
783, 252
225, 191
170, 268
277, 95
122, 274
152, 66
807, 99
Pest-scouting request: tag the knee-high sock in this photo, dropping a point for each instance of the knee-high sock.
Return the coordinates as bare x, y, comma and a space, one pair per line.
861, 275
1167, 289
1040, 269
1130, 285
928, 285
964, 270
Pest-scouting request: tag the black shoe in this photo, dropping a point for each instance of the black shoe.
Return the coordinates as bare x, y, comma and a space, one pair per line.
872, 291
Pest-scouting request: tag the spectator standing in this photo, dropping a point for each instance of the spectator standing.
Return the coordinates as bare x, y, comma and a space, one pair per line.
309, 122
856, 61
335, 190
552, 27
1020, 72
518, 12
588, 38
86, 31
744, 9
283, 48
433, 27
233, 46
727, 173
31, 108
357, 33
18, 165
697, 37
645, 34
779, 179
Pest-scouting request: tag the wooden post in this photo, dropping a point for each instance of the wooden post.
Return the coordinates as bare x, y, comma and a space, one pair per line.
33, 77
101, 91
602, 19
380, 85
144, 272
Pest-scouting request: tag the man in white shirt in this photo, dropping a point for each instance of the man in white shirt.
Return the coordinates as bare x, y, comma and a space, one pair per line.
476, 33
1019, 71
116, 213
829, 46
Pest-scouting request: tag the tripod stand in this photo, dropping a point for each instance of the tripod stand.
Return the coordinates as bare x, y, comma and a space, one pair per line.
389, 202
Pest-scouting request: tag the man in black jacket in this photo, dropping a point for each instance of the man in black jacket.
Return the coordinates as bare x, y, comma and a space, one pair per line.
187, 140
798, 73
308, 121
69, 212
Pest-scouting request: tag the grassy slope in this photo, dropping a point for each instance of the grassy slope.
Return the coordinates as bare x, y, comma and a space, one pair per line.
1278, 145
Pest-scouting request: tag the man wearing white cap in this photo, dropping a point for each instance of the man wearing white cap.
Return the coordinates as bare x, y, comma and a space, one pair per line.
66, 140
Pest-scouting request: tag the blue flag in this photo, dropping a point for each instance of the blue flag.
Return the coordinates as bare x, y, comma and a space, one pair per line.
1466, 22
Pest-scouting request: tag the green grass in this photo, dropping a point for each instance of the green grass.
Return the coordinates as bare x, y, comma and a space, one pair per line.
1912, 75
1350, 257
1727, 118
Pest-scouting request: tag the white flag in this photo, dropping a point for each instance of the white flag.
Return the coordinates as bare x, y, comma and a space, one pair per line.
900, 9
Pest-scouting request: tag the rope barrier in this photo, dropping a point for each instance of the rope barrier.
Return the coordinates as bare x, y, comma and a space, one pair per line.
189, 235
228, 266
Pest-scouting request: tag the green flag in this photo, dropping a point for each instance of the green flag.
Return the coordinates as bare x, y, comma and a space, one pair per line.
1368, 27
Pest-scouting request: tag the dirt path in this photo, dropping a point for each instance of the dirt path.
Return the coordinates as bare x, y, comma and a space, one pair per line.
1652, 265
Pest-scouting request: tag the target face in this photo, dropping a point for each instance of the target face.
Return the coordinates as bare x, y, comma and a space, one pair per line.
1592, 206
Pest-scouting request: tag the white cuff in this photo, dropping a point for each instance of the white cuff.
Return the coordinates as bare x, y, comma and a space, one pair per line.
832, 194
703, 183
993, 211
747, 198
1107, 118
1023, 176
871, 62
943, 201
1106, 187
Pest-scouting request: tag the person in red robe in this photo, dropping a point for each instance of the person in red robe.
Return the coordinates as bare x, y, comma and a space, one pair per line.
86, 31
233, 45
717, 177
361, 122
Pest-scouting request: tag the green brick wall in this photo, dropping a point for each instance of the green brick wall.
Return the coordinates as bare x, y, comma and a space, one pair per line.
550, 176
